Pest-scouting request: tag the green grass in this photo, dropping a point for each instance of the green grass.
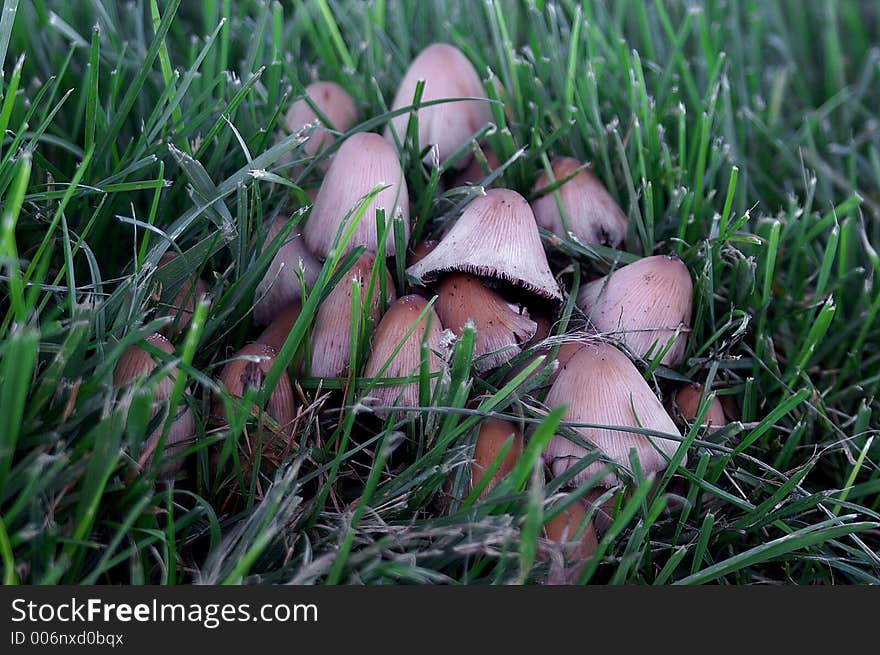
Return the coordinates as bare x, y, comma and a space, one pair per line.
741, 135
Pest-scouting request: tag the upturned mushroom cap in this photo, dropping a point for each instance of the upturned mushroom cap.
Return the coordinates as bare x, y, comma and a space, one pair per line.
280, 285
447, 73
493, 434
277, 331
600, 385
247, 370
686, 400
496, 237
331, 333
182, 306
592, 214
642, 305
398, 320
136, 363
362, 162
501, 327
336, 106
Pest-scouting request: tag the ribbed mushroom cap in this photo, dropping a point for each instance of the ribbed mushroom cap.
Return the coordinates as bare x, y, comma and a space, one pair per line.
183, 305
336, 106
501, 327
686, 400
642, 304
247, 370
398, 320
447, 73
362, 162
600, 385
276, 333
496, 236
280, 285
592, 215
135, 362
331, 333
473, 172
182, 429
493, 434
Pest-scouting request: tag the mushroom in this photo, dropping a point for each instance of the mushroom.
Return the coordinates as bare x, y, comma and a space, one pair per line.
590, 212
276, 333
336, 106
182, 306
398, 320
494, 433
281, 285
496, 237
446, 73
601, 386
247, 370
576, 536
644, 305
137, 364
331, 334
501, 327
686, 401
363, 161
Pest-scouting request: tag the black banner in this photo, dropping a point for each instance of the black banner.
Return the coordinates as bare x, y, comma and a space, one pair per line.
228, 619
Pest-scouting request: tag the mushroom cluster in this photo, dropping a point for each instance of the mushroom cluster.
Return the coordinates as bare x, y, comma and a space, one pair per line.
490, 269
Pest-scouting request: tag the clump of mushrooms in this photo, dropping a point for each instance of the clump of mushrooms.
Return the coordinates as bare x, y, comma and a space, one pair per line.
363, 162
135, 364
446, 73
591, 214
403, 316
644, 305
601, 386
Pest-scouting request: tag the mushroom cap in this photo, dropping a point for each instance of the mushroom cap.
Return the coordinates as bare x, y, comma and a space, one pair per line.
247, 370
600, 385
392, 329
182, 429
502, 328
280, 285
686, 400
643, 304
493, 434
182, 306
593, 215
447, 73
277, 331
336, 106
135, 362
364, 161
497, 237
331, 333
